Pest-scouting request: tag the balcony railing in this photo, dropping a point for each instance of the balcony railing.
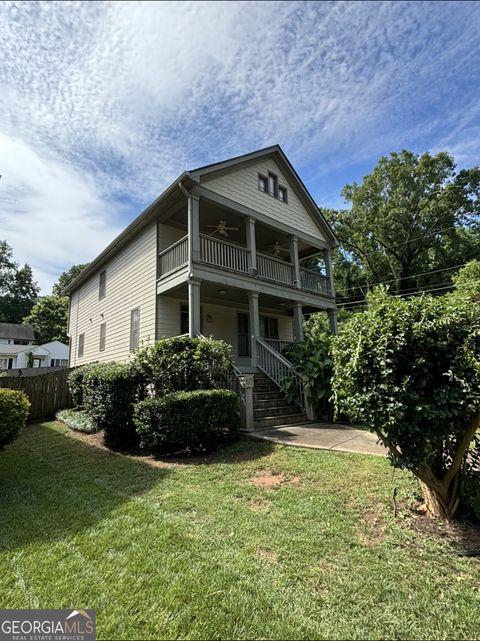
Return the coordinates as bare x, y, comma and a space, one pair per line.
313, 282
275, 269
173, 257
223, 254
230, 256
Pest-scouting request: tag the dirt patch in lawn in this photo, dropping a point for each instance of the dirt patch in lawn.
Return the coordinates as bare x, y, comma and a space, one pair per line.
464, 537
267, 555
272, 479
372, 529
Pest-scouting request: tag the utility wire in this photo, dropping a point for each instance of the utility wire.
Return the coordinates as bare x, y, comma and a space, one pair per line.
394, 280
363, 302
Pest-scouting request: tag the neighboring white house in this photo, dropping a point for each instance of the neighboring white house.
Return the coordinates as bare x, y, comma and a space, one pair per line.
17, 340
237, 250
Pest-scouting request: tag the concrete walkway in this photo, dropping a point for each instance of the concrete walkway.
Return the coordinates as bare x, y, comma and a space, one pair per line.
323, 436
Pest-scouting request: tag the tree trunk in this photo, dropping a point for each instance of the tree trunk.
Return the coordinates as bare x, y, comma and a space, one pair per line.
438, 502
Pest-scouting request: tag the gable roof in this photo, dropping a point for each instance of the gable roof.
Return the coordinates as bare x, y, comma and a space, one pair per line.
16, 331
275, 152
189, 179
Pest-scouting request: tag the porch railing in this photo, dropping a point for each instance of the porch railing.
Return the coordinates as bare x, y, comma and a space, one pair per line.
221, 253
313, 282
277, 344
282, 372
275, 269
173, 257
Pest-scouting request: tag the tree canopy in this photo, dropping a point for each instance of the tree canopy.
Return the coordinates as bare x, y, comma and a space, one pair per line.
18, 290
49, 319
66, 278
413, 214
410, 371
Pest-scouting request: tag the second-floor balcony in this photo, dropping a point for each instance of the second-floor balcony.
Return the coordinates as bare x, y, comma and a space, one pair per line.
234, 257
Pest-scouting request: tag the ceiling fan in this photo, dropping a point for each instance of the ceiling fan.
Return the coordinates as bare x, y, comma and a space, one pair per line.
277, 249
221, 228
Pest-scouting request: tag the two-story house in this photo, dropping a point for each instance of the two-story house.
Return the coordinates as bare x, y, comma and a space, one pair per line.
237, 250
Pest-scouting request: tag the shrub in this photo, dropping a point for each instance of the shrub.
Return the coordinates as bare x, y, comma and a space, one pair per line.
14, 407
183, 363
109, 392
193, 422
75, 384
410, 370
77, 420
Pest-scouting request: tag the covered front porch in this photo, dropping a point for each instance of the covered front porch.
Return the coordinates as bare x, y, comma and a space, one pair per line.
244, 319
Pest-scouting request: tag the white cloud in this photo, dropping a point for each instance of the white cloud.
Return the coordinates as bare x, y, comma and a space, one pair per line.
109, 101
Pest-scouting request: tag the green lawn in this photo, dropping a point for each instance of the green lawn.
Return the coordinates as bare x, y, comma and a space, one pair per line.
199, 550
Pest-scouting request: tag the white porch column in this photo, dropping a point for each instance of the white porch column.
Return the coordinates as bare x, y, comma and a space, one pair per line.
297, 322
254, 325
294, 259
193, 307
251, 245
193, 229
332, 319
329, 270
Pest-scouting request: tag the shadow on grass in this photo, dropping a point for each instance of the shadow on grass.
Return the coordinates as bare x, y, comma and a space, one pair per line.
52, 486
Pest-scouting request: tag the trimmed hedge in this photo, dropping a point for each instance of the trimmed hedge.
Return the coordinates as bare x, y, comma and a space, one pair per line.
184, 363
14, 407
193, 422
109, 392
75, 384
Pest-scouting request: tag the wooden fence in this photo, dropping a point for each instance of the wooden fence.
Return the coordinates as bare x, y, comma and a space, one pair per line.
47, 393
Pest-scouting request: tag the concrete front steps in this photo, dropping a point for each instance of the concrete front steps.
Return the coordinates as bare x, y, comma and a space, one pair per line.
270, 407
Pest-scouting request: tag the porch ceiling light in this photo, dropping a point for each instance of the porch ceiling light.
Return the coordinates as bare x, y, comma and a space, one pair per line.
282, 303
222, 292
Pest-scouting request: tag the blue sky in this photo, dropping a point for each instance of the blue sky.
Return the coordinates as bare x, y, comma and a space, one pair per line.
104, 104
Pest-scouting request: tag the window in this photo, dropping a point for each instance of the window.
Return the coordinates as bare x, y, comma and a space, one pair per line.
20, 341
135, 328
3, 363
58, 362
272, 185
102, 285
268, 327
262, 183
103, 336
81, 345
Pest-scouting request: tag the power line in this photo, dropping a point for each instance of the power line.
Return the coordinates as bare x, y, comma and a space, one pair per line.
363, 302
394, 280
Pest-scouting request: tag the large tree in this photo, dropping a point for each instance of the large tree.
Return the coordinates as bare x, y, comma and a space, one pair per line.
412, 214
66, 278
49, 316
18, 290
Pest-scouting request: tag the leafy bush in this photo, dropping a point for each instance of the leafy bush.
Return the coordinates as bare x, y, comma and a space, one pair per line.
194, 421
75, 384
14, 407
77, 420
410, 370
183, 363
109, 392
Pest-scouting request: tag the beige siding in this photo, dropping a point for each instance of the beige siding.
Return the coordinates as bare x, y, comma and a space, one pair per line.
168, 235
131, 282
168, 317
241, 185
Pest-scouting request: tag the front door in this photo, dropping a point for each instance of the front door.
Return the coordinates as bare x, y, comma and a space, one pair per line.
243, 335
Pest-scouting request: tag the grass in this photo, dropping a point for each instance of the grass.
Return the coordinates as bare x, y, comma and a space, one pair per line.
212, 549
